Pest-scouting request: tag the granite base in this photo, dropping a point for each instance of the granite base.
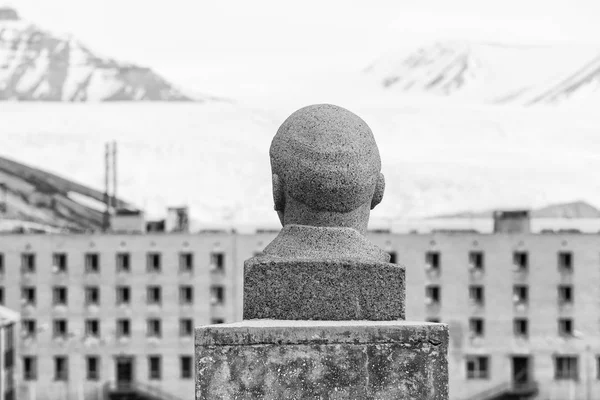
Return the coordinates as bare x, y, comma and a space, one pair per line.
282, 359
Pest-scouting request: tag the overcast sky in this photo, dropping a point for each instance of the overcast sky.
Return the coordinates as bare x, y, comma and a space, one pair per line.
246, 48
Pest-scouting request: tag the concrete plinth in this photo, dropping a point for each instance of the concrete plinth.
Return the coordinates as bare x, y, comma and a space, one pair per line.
282, 359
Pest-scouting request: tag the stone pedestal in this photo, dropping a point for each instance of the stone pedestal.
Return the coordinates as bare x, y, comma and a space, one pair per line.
335, 290
284, 359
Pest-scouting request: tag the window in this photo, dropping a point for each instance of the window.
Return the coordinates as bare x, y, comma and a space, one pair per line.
92, 263
217, 321
521, 327
59, 262
520, 294
476, 327
153, 295
565, 327
598, 367
217, 294
476, 260
186, 327
123, 328
565, 367
217, 260
1, 295
153, 262
565, 261
1, 263
30, 368
565, 294
93, 368
29, 327
92, 295
59, 296
28, 295
393, 257
432, 261
28, 263
123, 264
186, 294
92, 328
478, 367
186, 262
59, 328
123, 295
61, 368
153, 367
521, 260
186, 367
476, 295
153, 328
432, 295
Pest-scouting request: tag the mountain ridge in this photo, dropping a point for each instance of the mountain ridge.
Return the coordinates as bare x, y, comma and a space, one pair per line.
36, 65
493, 73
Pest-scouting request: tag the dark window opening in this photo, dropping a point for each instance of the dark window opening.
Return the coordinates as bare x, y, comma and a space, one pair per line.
186, 363
478, 367
61, 368
92, 263
521, 260
217, 260
476, 260
566, 368
476, 295
154, 367
123, 262
186, 262
93, 368
153, 262
186, 327
433, 294
59, 262
433, 260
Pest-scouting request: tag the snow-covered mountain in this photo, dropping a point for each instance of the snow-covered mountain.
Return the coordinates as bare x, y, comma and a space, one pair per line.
494, 73
38, 65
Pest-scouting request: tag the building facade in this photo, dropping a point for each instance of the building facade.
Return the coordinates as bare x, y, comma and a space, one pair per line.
106, 310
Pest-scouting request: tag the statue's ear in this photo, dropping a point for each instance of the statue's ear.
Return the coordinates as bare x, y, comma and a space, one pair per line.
278, 193
379, 189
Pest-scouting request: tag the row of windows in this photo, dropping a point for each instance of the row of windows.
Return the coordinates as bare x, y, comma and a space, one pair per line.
123, 262
92, 371
433, 261
566, 367
122, 295
565, 294
566, 327
60, 327
476, 260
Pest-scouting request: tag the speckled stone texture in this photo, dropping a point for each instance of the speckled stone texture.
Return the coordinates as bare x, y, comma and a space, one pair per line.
327, 157
322, 360
323, 290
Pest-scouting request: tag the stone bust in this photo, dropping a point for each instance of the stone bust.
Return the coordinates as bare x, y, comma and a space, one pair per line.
326, 174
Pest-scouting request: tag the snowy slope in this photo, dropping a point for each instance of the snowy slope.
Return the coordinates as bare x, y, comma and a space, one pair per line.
214, 157
494, 73
38, 65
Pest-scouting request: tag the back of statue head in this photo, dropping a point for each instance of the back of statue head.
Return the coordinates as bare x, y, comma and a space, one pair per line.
325, 157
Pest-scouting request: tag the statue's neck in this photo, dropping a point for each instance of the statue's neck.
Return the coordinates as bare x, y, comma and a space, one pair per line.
298, 213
